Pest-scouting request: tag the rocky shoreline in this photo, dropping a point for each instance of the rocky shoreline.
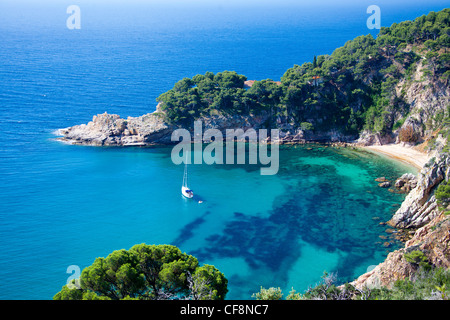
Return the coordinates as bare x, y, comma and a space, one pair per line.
421, 224
151, 129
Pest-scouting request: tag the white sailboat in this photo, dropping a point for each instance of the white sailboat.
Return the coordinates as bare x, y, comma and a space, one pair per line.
185, 191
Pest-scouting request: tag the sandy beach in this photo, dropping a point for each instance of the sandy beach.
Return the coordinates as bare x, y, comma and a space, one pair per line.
402, 153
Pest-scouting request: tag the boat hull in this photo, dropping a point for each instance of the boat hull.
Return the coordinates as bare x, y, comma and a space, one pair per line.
187, 193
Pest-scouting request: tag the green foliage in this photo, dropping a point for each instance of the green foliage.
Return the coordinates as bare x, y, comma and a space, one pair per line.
223, 93
426, 284
306, 126
442, 195
148, 272
398, 124
268, 294
443, 191
293, 295
417, 257
209, 283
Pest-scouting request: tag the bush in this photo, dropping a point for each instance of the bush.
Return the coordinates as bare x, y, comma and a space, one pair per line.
427, 284
442, 193
398, 123
307, 126
268, 294
418, 258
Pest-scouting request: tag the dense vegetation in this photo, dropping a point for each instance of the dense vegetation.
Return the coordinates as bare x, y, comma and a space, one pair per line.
147, 272
352, 89
427, 284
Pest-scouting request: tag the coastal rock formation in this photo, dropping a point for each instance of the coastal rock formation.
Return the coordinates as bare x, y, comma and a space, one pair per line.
110, 130
426, 99
433, 240
405, 180
368, 138
406, 183
385, 184
150, 129
420, 206
419, 210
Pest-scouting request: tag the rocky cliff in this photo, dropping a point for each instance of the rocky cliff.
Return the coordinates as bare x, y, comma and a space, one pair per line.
110, 130
419, 212
428, 101
433, 240
420, 205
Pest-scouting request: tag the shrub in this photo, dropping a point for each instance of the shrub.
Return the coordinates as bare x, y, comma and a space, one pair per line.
307, 126
417, 257
426, 284
268, 294
442, 193
398, 123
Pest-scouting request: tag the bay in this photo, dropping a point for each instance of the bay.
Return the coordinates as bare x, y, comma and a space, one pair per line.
63, 205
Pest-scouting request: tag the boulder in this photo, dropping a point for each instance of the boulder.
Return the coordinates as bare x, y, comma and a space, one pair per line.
386, 184
399, 183
406, 182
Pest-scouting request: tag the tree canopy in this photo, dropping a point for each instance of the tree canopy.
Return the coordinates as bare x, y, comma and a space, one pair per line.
147, 272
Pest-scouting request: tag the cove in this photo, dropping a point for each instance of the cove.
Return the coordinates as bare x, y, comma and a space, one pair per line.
320, 212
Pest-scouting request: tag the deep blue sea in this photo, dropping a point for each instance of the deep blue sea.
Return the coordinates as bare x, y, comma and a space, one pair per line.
63, 205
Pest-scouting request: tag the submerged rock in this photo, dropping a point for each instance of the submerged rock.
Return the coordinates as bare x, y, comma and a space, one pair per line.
386, 184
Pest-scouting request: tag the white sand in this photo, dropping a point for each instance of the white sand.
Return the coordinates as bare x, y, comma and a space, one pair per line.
403, 153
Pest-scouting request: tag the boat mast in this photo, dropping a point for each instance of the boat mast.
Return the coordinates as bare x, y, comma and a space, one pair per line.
185, 176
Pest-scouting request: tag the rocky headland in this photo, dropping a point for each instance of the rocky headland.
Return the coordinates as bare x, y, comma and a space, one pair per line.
151, 129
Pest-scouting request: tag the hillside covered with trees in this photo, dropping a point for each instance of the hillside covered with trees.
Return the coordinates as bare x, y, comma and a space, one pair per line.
360, 86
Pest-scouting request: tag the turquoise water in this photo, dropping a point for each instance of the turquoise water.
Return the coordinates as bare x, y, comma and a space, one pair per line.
284, 230
63, 205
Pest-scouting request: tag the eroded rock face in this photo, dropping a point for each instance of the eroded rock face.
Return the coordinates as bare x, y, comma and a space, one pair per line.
425, 98
433, 240
367, 138
420, 206
110, 130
